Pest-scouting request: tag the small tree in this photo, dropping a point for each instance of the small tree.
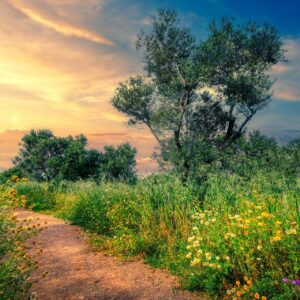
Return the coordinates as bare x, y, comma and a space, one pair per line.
43, 156
118, 163
197, 98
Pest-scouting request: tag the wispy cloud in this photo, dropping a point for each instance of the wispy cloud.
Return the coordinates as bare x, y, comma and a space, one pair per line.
54, 22
288, 73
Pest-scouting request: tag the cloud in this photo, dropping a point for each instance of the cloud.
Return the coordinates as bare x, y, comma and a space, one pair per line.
53, 21
9, 140
287, 74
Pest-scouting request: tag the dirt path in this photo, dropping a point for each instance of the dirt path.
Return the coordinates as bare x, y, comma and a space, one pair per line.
76, 272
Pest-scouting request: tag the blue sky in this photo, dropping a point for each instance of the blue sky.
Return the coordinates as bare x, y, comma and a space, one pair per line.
61, 61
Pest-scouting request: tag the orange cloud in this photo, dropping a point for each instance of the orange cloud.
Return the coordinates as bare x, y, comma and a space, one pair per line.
59, 25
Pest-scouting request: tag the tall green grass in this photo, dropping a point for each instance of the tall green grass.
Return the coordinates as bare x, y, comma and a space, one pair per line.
154, 219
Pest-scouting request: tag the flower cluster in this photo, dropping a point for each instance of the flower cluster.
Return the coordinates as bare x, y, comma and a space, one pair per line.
254, 240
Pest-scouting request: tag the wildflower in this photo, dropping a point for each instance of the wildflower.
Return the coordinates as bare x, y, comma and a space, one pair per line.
249, 282
196, 244
206, 223
263, 298
227, 258
228, 292
246, 288
217, 258
256, 296
195, 262
238, 283
296, 282
213, 220
291, 231
195, 228
233, 290
265, 214
199, 252
278, 223
190, 239
219, 267
285, 280
189, 255
259, 247
189, 247
277, 238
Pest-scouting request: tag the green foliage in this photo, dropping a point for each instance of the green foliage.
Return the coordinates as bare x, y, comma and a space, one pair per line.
45, 157
38, 195
15, 267
118, 163
197, 98
9, 173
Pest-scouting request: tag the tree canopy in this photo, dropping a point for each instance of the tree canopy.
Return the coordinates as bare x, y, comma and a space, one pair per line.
197, 98
44, 157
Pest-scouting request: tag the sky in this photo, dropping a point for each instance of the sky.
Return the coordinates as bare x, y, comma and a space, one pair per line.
61, 60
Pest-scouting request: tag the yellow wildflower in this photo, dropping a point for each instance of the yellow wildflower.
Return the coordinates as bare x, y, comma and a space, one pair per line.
190, 239
291, 231
277, 238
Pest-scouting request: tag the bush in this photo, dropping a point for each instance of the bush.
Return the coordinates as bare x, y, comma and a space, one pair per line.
39, 196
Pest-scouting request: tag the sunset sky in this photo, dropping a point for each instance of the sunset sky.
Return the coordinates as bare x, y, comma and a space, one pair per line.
61, 60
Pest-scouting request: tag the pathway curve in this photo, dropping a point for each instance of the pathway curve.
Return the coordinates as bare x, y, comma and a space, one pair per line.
74, 271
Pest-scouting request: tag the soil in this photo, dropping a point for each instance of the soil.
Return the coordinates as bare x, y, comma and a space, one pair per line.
70, 269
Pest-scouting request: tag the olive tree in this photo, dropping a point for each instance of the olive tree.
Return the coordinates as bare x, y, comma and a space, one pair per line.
197, 98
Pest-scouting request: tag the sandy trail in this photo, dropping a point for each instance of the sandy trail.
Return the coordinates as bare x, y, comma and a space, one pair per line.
76, 272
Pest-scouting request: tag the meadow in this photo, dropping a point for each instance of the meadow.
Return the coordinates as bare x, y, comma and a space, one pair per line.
239, 241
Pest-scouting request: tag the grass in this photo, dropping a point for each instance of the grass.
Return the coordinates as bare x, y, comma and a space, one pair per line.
15, 266
244, 243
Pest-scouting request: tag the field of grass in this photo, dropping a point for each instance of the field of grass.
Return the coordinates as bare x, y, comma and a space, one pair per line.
244, 243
